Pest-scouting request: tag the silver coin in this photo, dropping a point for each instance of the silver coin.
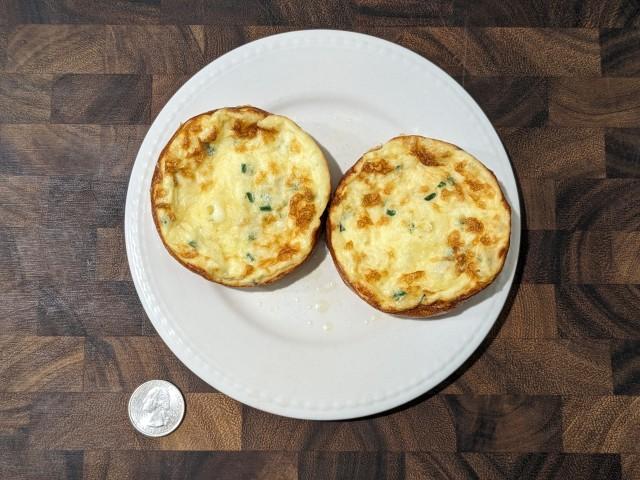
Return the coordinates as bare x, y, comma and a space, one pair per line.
156, 408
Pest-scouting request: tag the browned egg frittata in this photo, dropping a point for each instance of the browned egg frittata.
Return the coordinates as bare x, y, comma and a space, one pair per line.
418, 225
237, 195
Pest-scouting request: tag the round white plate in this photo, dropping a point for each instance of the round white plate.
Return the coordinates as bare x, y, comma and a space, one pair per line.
308, 347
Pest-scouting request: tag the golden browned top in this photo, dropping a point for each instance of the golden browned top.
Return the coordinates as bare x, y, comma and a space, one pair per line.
238, 193
417, 225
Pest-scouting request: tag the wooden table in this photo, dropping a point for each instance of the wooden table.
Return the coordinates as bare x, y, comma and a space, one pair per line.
554, 392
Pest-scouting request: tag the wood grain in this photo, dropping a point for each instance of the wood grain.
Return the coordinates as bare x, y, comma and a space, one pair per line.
549, 13
553, 153
33, 465
620, 52
606, 424
101, 99
545, 367
630, 466
539, 203
599, 311
623, 152
56, 49
444, 466
352, 465
507, 423
592, 102
116, 364
625, 362
600, 257
95, 150
511, 101
386, 12
116, 465
31, 364
24, 98
111, 265
588, 204
533, 313
103, 308
426, 426
72, 421
81, 11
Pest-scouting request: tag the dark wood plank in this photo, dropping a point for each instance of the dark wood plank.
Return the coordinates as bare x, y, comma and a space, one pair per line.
89, 308
111, 257
546, 367
73, 421
23, 200
507, 423
444, 466
586, 204
550, 13
532, 314
115, 364
101, 99
220, 12
110, 196
555, 153
57, 49
422, 427
623, 152
540, 256
620, 52
155, 49
625, 362
510, 101
600, 257
116, 465
39, 465
44, 149
30, 364
163, 88
25, 98
4, 37
539, 203
386, 12
81, 11
71, 203
600, 311
351, 465
630, 466
20, 260
335, 14
607, 424
595, 102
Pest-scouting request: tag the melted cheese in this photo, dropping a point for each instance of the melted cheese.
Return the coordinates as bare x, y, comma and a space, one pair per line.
418, 222
238, 195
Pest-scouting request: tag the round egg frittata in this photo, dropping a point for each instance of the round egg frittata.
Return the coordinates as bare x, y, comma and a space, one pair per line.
237, 195
418, 225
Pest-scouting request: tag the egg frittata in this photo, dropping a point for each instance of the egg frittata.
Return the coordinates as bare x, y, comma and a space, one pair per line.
418, 225
237, 195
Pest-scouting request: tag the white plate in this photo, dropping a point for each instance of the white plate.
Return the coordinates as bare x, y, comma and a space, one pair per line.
308, 347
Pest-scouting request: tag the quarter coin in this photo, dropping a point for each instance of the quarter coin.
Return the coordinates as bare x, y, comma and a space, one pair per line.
156, 408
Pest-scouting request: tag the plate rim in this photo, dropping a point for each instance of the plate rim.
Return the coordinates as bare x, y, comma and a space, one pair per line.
227, 386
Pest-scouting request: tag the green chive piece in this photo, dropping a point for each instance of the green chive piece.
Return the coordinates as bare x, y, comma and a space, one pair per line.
441, 184
430, 197
265, 208
412, 227
391, 212
193, 244
342, 229
252, 236
210, 149
243, 167
399, 294
250, 196
451, 180
250, 257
